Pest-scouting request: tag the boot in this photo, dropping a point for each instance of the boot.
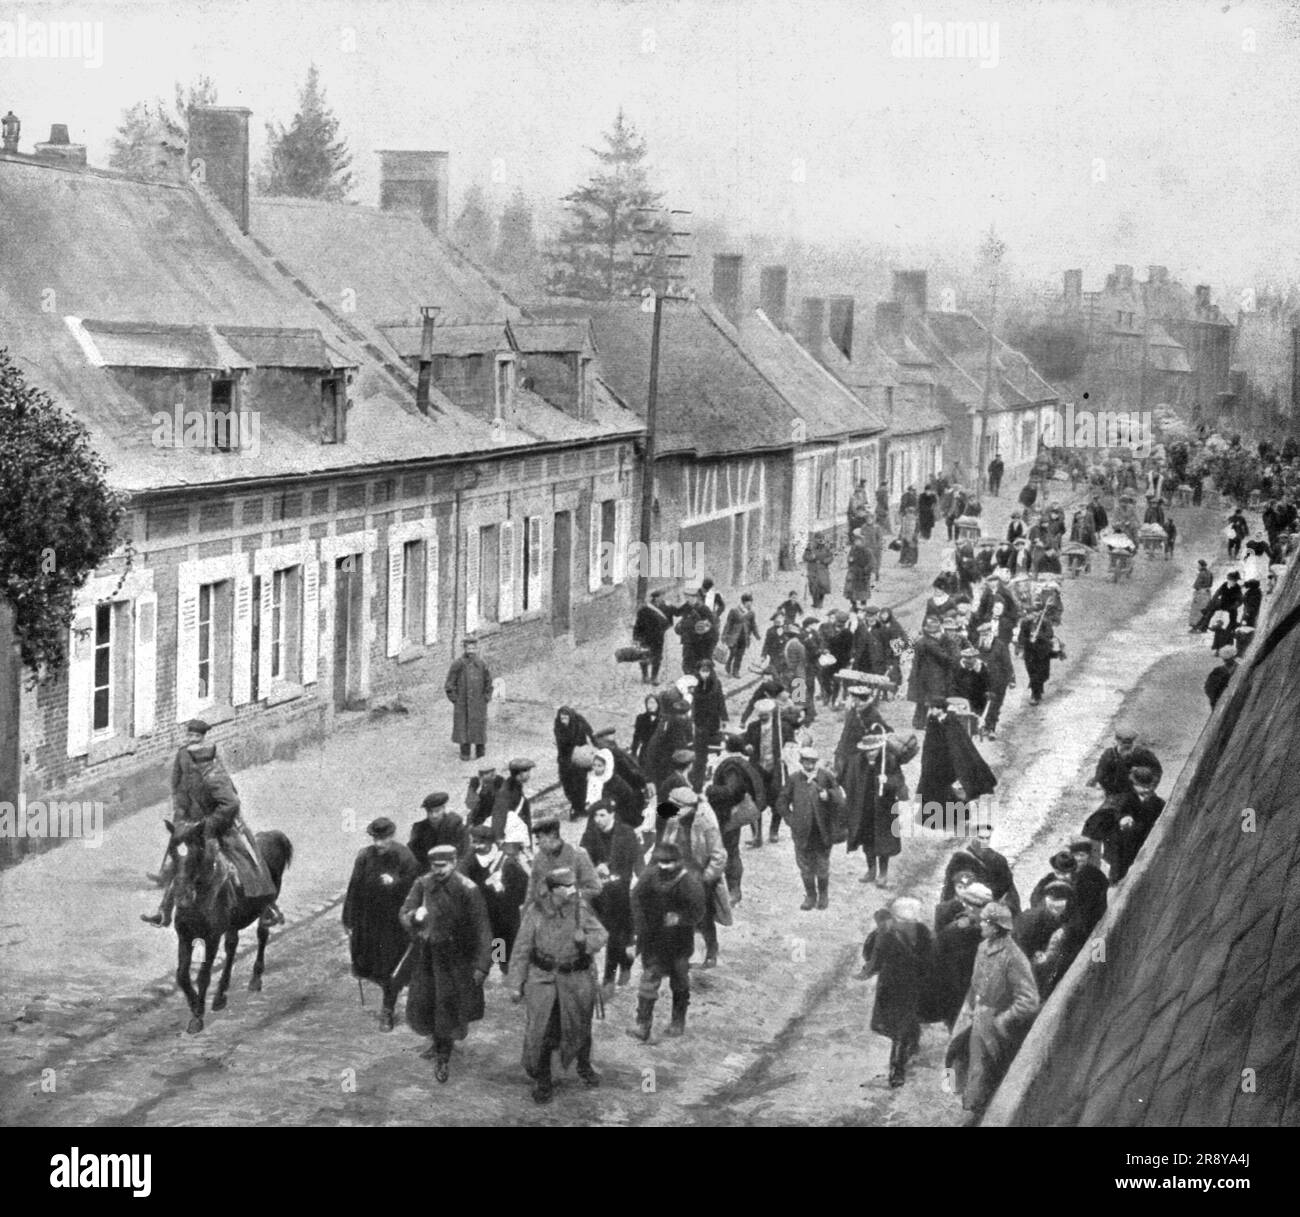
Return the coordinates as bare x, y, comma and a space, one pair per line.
543, 1087
385, 1020
823, 893
809, 896
589, 1076
645, 1011
870, 876
678, 1025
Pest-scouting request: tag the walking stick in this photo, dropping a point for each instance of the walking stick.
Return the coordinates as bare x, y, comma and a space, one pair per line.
361, 991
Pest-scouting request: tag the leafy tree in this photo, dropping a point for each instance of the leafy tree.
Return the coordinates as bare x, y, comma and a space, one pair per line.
309, 160
516, 251
472, 230
59, 519
151, 140
593, 257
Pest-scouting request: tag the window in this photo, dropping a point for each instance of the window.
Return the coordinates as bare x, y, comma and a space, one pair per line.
103, 691
413, 591
206, 596
255, 637
286, 613
224, 427
584, 387
608, 528
505, 382
489, 586
333, 395
532, 563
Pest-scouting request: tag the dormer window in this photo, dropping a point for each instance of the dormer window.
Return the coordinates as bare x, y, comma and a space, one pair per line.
505, 382
584, 387
223, 427
333, 399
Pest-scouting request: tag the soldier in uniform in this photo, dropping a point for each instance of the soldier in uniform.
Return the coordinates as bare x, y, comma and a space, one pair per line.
446, 913
552, 970
381, 878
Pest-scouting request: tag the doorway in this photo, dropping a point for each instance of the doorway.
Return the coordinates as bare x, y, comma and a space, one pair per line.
561, 572
347, 632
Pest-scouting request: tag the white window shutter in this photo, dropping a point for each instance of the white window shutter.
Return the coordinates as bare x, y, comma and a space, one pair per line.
546, 561
187, 652
396, 606
471, 579
241, 684
81, 669
621, 514
310, 619
266, 639
146, 662
431, 588
535, 561
507, 556
593, 547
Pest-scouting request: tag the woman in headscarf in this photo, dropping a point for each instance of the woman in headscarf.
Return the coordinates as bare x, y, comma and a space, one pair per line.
571, 731
644, 728
605, 786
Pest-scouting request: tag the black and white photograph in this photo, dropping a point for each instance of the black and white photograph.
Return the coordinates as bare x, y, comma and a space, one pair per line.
651, 563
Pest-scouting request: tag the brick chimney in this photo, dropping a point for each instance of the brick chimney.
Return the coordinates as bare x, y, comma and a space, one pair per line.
219, 153
1202, 297
773, 282
841, 324
415, 182
910, 291
1123, 275
813, 330
727, 283
1158, 274
1073, 289
889, 322
59, 148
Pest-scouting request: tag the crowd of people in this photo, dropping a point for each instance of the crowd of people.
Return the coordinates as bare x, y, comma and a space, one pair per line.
661, 857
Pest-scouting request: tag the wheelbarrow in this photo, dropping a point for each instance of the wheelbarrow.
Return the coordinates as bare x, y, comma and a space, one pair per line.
1121, 565
1078, 559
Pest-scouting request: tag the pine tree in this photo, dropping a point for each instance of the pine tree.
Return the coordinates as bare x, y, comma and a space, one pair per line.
151, 140
59, 519
593, 256
472, 230
516, 252
309, 160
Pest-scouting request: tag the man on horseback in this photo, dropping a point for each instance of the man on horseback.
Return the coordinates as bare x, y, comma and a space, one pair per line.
204, 800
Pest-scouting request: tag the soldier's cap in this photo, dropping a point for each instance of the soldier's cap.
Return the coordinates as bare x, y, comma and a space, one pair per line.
521, 764
484, 770
545, 824
999, 914
198, 726
870, 610
683, 756
809, 754
437, 799
683, 796
561, 876
381, 827
977, 894
666, 853
1058, 887
443, 853
1143, 774
481, 832
1227, 652
1125, 733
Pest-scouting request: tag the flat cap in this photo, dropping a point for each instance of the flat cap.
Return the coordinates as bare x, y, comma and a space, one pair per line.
198, 725
546, 823
999, 914
443, 853
437, 799
381, 827
1058, 887
561, 876
809, 754
521, 764
1227, 652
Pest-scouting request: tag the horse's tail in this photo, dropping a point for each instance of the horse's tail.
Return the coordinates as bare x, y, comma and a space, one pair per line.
277, 852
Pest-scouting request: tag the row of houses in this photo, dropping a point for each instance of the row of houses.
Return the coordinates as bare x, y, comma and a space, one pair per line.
411, 454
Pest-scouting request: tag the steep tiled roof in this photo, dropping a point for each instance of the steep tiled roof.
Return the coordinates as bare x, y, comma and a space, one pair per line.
961, 340
712, 399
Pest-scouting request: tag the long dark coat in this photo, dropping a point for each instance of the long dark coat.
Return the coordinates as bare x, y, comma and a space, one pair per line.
510, 797
949, 755
872, 815
567, 738
933, 665
811, 818
901, 956
446, 828
954, 960
381, 878
469, 689
453, 944
620, 851
674, 731
997, 873
709, 712
504, 887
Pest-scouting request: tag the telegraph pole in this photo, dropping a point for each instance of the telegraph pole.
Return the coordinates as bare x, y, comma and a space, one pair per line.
992, 249
652, 401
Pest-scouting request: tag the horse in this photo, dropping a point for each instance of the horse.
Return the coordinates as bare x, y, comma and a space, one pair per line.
210, 907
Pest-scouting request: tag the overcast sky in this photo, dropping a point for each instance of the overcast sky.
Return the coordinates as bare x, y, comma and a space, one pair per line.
1141, 131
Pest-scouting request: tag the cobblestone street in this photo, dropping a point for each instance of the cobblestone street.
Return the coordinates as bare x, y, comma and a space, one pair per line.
94, 1028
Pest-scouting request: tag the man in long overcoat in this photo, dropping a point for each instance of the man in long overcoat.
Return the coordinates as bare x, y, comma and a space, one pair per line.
551, 970
445, 912
873, 787
900, 953
469, 689
381, 878
811, 803
996, 1015
934, 666
817, 565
